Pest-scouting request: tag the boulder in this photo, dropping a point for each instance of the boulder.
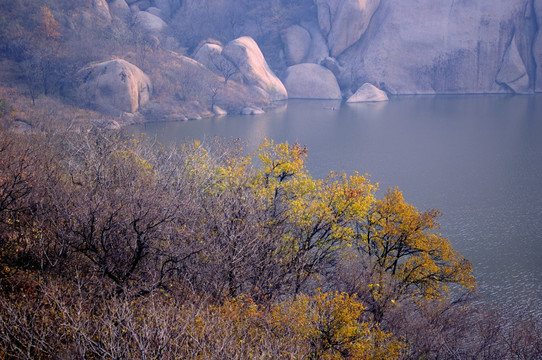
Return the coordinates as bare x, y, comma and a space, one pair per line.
210, 55
344, 21
157, 12
311, 81
297, 42
318, 48
368, 93
331, 64
101, 9
513, 73
537, 46
148, 22
245, 54
143, 5
458, 47
120, 9
326, 11
217, 110
166, 6
114, 86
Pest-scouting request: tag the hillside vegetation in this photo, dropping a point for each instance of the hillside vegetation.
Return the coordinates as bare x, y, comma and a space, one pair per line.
119, 248
45, 46
114, 247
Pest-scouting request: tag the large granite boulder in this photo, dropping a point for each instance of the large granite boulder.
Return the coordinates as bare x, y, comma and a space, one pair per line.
304, 43
210, 55
168, 7
311, 81
420, 47
114, 87
94, 14
344, 21
245, 54
142, 5
368, 93
101, 9
149, 23
157, 12
297, 42
318, 48
120, 9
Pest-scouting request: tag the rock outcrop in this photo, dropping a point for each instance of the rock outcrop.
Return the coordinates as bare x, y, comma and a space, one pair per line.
344, 21
245, 54
157, 12
120, 9
297, 43
318, 49
101, 9
149, 23
168, 7
210, 55
114, 87
513, 73
311, 81
368, 93
459, 47
304, 43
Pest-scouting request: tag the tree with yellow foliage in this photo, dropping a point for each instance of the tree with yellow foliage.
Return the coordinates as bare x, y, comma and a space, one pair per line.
406, 257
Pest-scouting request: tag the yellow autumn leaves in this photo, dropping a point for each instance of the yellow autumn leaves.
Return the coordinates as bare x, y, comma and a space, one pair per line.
203, 251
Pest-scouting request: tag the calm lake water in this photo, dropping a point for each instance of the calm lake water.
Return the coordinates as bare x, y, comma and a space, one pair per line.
476, 158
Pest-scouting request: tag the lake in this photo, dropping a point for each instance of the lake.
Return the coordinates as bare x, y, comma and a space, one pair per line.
477, 158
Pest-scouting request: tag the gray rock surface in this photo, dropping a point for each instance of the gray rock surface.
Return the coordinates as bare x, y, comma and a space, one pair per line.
168, 7
348, 21
368, 93
326, 11
318, 48
217, 110
157, 12
120, 9
421, 47
149, 23
513, 73
332, 64
311, 81
101, 9
143, 5
245, 54
114, 86
210, 55
297, 43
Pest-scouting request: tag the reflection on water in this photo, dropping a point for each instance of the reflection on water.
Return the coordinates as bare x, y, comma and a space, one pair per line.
476, 158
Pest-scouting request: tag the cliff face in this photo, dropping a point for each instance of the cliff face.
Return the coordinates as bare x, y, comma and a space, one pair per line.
408, 46
449, 46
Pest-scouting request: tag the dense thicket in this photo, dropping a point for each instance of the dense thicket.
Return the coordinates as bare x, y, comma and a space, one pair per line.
114, 247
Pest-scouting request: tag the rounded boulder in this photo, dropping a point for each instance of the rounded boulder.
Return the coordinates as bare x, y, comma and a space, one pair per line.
114, 87
311, 81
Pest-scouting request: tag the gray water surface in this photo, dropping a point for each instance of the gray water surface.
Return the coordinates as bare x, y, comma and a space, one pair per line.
476, 158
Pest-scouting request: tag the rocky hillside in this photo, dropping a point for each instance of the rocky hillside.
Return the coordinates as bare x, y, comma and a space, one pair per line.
183, 59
